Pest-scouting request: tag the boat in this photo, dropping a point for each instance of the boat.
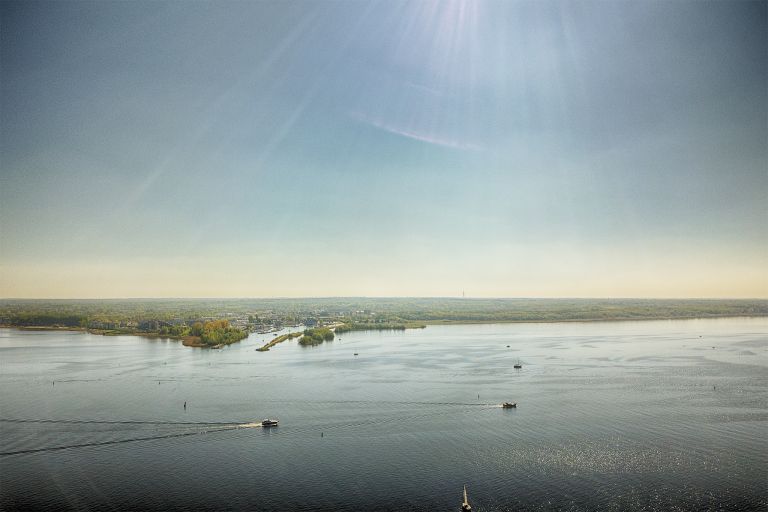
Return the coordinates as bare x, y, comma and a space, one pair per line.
518, 365
269, 423
465, 506
509, 405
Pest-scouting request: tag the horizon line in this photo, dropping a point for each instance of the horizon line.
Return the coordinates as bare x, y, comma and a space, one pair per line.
317, 297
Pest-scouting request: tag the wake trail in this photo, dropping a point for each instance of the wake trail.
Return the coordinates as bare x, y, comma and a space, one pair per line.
127, 422
132, 440
236, 425
379, 402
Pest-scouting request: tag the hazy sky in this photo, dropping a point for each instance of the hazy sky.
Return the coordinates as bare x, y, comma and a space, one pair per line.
504, 148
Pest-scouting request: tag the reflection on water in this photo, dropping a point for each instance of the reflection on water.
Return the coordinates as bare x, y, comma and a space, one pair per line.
619, 416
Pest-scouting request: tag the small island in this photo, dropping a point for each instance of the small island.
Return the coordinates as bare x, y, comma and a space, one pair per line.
309, 337
316, 336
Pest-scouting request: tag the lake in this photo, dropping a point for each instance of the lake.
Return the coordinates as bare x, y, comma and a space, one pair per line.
655, 415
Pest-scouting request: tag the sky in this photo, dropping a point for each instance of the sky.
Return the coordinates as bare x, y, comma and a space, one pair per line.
384, 148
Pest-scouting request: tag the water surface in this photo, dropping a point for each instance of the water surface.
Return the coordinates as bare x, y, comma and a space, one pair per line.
661, 415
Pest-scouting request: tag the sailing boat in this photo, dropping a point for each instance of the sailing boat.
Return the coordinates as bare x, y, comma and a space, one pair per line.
518, 365
466, 507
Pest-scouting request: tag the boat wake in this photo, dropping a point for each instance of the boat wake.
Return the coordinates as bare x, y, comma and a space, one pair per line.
116, 441
188, 428
249, 425
180, 429
110, 422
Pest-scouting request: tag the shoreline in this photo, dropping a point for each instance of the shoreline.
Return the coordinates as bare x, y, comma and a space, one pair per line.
284, 337
585, 320
187, 341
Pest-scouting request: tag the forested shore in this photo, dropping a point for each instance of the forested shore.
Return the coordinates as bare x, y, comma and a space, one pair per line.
214, 323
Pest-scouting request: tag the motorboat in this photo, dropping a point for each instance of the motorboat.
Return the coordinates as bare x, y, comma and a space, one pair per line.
269, 423
509, 405
465, 506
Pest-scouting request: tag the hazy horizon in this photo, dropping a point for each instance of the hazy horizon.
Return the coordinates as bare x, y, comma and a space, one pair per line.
376, 297
399, 149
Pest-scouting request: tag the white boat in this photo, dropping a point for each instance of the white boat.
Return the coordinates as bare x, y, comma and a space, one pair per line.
465, 506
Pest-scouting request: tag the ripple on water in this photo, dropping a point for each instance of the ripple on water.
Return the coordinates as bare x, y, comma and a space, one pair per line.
610, 417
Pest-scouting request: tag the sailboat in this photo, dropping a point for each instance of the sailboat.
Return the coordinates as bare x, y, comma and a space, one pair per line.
518, 365
466, 507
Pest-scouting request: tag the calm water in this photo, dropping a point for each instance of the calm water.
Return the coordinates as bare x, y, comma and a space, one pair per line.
668, 415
